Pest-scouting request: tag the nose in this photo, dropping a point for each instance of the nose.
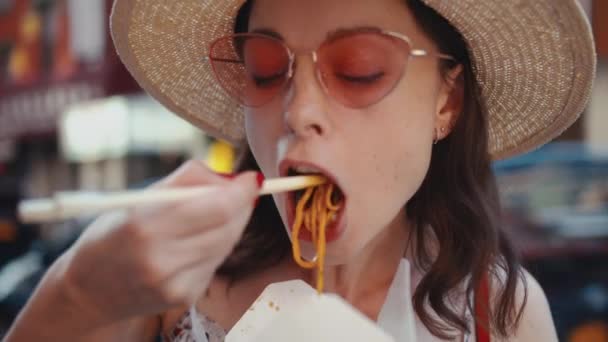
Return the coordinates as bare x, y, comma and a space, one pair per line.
305, 103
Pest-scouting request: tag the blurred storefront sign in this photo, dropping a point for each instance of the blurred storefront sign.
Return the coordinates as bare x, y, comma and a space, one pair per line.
116, 126
88, 42
28, 111
54, 54
96, 130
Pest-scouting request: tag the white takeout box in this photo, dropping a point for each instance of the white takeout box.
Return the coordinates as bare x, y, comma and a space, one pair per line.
293, 311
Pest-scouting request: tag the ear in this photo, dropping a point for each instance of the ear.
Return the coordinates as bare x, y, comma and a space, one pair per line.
450, 102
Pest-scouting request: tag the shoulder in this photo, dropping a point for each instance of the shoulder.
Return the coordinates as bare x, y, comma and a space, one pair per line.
536, 321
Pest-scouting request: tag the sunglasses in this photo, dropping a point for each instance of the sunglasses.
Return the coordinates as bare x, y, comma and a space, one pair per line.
357, 68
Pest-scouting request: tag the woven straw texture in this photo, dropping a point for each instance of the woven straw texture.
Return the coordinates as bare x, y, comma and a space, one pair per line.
534, 61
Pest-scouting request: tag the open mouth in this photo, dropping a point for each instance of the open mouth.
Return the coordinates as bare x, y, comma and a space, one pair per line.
337, 200
337, 196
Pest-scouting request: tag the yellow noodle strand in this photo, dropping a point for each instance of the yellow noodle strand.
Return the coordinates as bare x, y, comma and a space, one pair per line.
308, 222
316, 213
297, 255
314, 210
319, 200
321, 254
328, 203
313, 213
320, 205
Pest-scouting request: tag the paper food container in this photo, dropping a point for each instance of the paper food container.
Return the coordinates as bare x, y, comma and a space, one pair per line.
293, 311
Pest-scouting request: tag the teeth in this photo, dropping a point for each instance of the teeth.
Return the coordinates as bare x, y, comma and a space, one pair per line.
306, 169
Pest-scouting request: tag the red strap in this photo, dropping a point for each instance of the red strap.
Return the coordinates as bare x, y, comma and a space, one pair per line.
482, 302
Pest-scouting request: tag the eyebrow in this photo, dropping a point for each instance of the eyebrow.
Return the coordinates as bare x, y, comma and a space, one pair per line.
346, 30
329, 36
268, 32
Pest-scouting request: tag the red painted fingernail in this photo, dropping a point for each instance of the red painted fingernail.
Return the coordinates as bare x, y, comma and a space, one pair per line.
260, 179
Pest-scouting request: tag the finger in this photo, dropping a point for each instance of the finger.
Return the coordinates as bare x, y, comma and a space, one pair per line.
203, 251
200, 255
218, 242
208, 211
191, 173
209, 251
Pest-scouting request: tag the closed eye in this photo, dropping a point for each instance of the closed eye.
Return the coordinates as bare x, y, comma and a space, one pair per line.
365, 79
265, 81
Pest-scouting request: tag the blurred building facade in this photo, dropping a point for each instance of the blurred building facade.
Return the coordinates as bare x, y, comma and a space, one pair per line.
72, 118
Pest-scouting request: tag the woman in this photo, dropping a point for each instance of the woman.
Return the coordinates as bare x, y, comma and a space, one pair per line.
403, 105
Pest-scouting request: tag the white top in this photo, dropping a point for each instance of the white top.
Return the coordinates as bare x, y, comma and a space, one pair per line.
396, 317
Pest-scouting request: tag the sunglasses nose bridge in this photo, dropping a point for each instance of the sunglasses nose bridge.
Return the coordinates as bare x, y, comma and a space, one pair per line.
314, 57
299, 64
291, 65
305, 88
318, 72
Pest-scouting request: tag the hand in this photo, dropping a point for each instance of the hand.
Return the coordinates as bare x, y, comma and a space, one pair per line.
150, 259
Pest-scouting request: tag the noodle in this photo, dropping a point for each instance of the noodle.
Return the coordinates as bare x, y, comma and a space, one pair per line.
314, 210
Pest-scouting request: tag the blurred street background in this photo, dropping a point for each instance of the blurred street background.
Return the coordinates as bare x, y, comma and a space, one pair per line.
71, 118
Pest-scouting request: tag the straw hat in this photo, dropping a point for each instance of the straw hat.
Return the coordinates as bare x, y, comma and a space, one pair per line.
534, 61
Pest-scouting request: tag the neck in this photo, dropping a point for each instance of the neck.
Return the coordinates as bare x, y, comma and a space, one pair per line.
371, 272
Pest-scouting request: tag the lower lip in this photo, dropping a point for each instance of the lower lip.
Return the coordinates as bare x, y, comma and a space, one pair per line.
333, 230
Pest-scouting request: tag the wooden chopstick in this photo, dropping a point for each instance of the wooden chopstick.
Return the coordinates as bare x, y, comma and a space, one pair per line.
67, 205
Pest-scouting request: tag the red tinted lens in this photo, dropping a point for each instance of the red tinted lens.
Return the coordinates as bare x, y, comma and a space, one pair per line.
359, 69
253, 68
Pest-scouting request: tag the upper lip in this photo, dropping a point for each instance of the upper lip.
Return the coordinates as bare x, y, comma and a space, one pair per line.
287, 164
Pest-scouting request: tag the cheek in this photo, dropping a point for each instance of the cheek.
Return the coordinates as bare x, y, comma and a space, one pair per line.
401, 131
399, 158
391, 152
408, 156
412, 112
264, 131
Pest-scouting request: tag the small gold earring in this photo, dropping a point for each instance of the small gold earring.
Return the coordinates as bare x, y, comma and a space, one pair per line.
436, 140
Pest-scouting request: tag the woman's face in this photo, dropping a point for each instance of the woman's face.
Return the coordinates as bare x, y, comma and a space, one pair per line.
379, 154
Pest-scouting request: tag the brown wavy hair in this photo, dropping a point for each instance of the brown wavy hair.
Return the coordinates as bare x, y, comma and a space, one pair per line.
458, 201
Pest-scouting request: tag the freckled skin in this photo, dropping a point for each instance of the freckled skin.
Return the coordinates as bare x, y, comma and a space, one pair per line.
379, 154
